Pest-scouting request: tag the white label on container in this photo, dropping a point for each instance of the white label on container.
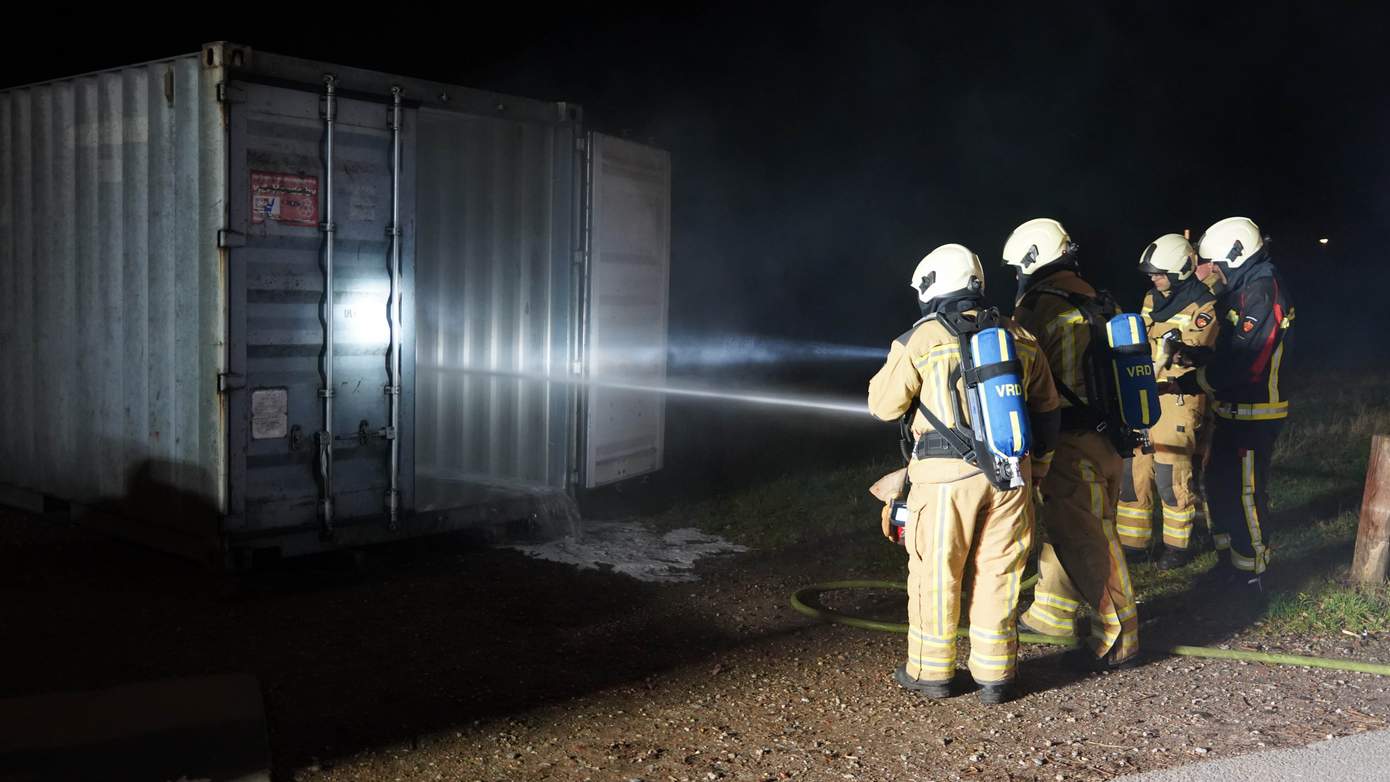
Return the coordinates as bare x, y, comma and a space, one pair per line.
270, 413
362, 206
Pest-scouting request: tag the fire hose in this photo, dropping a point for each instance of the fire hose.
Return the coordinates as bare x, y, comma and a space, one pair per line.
805, 601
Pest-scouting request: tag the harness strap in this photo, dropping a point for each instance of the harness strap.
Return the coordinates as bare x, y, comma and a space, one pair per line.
995, 370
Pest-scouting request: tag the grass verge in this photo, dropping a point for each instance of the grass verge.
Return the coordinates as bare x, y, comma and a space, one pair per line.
1315, 493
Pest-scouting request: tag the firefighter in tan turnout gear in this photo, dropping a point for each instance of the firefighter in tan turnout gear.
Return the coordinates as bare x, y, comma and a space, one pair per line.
959, 520
1082, 559
1180, 313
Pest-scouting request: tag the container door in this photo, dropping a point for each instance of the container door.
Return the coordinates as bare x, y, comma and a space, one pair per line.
277, 202
629, 269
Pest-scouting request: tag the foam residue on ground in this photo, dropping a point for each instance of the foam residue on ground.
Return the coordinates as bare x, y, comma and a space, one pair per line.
634, 550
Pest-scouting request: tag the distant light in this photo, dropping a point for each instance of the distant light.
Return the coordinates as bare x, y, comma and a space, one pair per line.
1322, 240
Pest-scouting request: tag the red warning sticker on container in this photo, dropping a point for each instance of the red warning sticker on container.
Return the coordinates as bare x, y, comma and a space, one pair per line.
287, 199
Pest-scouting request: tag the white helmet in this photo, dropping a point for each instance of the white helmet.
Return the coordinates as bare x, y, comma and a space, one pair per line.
1169, 254
1230, 242
1037, 243
947, 269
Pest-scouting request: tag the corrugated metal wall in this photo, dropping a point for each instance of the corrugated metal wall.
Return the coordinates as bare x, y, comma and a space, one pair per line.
492, 263
111, 326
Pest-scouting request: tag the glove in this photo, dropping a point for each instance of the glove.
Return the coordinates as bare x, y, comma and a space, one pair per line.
887, 516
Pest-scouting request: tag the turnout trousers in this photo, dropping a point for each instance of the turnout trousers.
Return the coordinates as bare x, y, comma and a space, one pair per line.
1169, 469
965, 532
1082, 559
1237, 486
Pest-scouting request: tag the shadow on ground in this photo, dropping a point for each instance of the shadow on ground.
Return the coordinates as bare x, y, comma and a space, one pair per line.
416, 640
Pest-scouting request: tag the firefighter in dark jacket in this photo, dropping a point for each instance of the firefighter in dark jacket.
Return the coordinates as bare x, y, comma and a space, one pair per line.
1242, 380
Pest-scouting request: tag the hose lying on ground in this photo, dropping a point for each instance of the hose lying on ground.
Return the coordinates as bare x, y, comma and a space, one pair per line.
804, 602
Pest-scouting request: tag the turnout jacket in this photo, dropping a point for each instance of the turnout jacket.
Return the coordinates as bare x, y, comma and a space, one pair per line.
1242, 377
924, 361
1191, 311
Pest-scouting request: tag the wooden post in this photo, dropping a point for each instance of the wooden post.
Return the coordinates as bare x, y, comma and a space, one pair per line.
1372, 558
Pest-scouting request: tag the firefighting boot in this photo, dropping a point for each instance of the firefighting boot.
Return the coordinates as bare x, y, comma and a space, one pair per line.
995, 694
1174, 558
1083, 660
933, 690
1136, 556
1220, 576
1248, 591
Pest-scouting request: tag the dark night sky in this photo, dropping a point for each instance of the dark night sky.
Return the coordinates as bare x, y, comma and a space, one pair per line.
820, 151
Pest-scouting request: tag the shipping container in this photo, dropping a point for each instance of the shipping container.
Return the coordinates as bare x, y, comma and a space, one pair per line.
254, 302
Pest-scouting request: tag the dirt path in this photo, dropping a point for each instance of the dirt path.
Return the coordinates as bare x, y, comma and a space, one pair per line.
444, 661
793, 700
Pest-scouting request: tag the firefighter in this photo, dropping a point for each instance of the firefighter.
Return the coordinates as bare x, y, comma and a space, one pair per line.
1180, 313
1242, 379
1082, 558
959, 519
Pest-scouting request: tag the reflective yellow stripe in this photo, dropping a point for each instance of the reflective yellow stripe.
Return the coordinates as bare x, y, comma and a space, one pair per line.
1098, 502
923, 638
1057, 617
1259, 411
1247, 497
1222, 541
1042, 618
943, 394
1242, 562
1144, 406
1048, 598
1127, 531
1004, 348
1069, 373
1132, 512
1088, 474
922, 662
1274, 372
1134, 332
1105, 633
987, 635
943, 626
938, 352
1128, 613
1018, 429
1169, 514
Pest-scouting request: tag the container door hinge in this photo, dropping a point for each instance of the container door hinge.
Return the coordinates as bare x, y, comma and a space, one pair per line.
229, 381
227, 238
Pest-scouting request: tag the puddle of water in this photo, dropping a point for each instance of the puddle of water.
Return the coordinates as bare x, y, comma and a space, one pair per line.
633, 550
